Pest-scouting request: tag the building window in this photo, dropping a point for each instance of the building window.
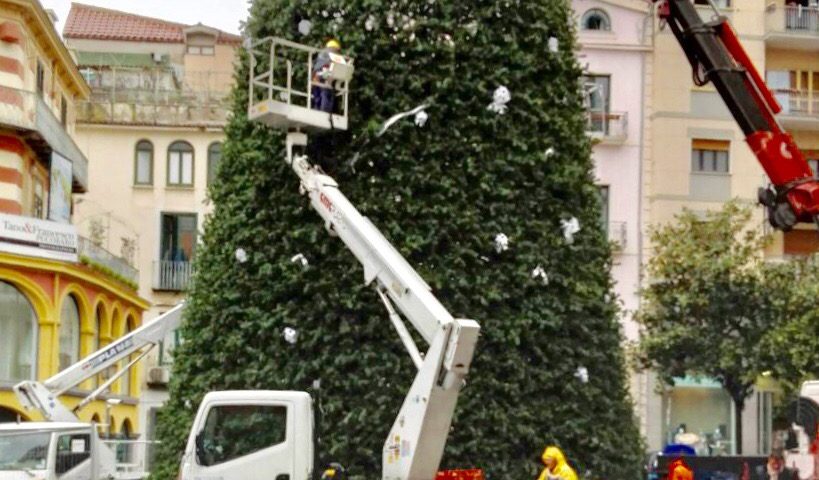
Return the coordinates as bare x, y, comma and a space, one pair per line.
214, 156
710, 156
98, 340
178, 237
40, 78
69, 333
200, 50
167, 346
144, 163
814, 166
38, 202
63, 111
126, 376
718, 3
596, 101
180, 164
18, 325
604, 207
595, 19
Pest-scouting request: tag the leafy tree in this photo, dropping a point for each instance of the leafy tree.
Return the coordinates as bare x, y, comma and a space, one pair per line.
708, 306
441, 193
791, 351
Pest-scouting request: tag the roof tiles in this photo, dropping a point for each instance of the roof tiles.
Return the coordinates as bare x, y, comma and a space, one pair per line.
97, 23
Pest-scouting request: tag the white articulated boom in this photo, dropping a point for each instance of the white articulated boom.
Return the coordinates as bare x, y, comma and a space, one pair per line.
415, 445
42, 396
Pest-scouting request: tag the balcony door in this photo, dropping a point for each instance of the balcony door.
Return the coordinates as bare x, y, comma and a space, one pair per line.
596, 91
177, 247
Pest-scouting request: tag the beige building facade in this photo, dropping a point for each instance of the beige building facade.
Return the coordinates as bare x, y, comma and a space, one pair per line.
153, 128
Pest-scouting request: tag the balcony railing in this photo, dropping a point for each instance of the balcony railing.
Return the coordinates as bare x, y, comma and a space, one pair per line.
798, 103
26, 111
607, 126
792, 19
172, 276
103, 257
617, 233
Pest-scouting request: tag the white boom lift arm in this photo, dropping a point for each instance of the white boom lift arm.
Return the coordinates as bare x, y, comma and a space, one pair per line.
415, 444
43, 396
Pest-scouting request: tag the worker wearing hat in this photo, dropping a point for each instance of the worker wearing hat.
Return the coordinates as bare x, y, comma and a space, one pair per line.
322, 94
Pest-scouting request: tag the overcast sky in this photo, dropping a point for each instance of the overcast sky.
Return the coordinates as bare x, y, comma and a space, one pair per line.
222, 14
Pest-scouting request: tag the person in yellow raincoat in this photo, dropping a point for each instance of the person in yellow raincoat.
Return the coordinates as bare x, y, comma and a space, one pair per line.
556, 466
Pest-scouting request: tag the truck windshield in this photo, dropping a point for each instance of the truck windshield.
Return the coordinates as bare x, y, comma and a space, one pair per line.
24, 450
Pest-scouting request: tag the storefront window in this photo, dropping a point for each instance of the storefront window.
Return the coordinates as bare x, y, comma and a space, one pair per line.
18, 324
69, 333
700, 415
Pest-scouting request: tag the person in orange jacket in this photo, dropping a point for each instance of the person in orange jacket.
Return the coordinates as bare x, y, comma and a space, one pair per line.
679, 470
556, 466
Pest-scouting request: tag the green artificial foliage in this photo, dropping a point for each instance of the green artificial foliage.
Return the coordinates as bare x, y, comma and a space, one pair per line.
710, 302
440, 193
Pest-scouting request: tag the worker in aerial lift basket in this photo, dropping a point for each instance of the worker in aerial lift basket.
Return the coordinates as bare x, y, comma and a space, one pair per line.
556, 467
322, 93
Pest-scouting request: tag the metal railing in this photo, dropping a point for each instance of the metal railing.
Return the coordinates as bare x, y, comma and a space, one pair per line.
156, 97
792, 19
799, 103
618, 234
107, 259
282, 70
607, 125
172, 275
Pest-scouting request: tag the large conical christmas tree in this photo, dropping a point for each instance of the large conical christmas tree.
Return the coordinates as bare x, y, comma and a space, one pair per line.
442, 193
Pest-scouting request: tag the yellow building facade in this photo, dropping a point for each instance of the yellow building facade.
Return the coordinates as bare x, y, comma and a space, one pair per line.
696, 157
62, 296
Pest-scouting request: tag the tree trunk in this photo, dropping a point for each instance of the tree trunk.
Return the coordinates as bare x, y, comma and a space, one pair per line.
739, 406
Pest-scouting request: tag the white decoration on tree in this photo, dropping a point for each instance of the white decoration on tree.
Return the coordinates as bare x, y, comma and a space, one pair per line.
301, 259
501, 243
370, 23
582, 374
291, 335
549, 152
554, 44
241, 255
570, 227
398, 116
421, 118
472, 28
500, 98
305, 26
540, 273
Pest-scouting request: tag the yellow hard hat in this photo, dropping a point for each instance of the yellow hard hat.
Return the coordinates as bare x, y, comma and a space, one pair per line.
333, 44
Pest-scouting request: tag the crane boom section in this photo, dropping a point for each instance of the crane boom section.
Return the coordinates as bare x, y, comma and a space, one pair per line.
717, 56
381, 261
42, 396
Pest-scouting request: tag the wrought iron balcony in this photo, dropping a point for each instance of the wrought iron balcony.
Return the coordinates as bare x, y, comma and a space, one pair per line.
607, 127
792, 26
173, 276
102, 257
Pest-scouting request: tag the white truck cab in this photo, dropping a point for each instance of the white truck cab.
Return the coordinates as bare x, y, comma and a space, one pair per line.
53, 451
251, 435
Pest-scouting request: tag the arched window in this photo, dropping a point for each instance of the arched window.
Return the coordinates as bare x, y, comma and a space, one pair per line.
98, 338
124, 449
595, 19
69, 333
18, 324
126, 377
214, 156
180, 164
144, 163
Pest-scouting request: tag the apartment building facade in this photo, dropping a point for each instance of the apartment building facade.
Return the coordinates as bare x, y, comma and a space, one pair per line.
153, 130
615, 47
62, 296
